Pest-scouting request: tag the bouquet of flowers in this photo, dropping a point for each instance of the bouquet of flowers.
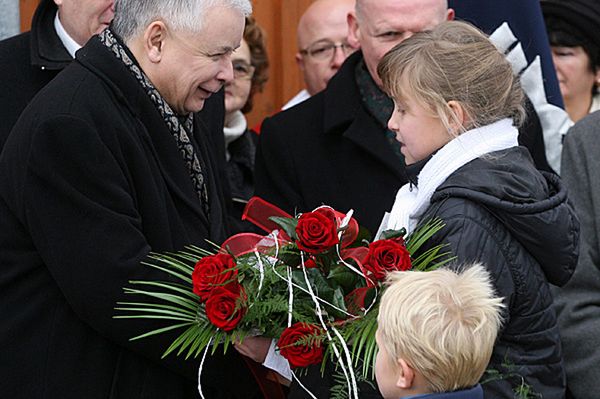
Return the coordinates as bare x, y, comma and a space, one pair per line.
312, 284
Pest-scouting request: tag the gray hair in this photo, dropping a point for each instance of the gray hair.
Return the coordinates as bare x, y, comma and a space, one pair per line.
132, 16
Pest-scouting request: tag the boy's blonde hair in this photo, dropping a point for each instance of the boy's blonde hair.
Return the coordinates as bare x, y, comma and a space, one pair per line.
443, 323
454, 61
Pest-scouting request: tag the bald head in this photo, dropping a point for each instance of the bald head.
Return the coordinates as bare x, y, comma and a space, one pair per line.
324, 21
378, 25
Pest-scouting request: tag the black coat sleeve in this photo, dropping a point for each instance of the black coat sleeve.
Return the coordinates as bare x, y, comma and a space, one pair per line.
80, 209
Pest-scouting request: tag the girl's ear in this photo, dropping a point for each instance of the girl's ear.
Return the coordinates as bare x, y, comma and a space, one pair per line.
459, 118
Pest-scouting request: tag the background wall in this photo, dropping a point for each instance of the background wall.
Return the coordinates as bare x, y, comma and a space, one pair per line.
279, 18
9, 18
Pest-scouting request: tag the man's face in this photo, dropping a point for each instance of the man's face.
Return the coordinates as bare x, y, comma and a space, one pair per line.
382, 24
321, 27
193, 66
84, 18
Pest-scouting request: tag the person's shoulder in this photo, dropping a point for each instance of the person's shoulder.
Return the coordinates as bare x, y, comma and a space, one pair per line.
302, 118
15, 49
17, 42
586, 129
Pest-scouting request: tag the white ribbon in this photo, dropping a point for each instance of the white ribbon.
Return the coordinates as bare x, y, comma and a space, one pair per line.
202, 365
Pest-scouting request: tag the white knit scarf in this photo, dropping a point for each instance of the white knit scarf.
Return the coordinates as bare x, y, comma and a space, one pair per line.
411, 202
235, 128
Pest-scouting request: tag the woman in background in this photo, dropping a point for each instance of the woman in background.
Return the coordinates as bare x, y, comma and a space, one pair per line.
573, 28
250, 70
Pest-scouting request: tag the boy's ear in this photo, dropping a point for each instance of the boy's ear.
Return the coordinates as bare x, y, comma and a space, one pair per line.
406, 375
460, 116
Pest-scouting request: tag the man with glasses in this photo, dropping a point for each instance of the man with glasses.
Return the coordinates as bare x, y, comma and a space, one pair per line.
323, 45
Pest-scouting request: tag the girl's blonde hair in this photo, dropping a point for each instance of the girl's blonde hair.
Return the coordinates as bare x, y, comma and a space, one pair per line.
454, 61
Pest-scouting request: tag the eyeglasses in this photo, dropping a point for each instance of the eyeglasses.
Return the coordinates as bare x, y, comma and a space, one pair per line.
243, 70
325, 49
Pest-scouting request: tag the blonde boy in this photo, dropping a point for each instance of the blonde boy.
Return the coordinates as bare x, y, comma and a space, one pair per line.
436, 331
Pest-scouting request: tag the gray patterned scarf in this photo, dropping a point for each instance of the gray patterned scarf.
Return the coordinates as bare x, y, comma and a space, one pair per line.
179, 129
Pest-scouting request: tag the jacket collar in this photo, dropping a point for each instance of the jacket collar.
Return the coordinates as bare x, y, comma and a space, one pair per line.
95, 57
471, 393
46, 48
345, 114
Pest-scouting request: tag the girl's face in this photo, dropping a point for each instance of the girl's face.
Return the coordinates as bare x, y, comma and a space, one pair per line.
419, 132
575, 76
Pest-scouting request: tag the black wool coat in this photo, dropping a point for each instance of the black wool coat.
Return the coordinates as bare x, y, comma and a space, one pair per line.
27, 63
502, 212
329, 150
92, 180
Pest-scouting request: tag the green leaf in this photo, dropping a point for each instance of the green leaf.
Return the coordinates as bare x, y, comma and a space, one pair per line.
344, 277
159, 331
287, 224
422, 234
390, 234
185, 302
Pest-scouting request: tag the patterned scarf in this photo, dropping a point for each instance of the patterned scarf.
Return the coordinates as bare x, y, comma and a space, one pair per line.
180, 129
377, 103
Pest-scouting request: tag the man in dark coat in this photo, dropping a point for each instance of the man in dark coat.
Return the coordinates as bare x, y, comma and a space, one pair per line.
30, 60
108, 163
335, 148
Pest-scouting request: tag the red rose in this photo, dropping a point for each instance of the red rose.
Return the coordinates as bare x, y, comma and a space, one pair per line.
317, 231
211, 272
310, 263
386, 256
225, 306
300, 344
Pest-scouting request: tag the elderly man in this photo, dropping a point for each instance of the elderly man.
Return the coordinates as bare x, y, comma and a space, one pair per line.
106, 164
32, 59
335, 149
322, 45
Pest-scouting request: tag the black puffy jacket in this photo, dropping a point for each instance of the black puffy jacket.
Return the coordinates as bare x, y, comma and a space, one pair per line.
501, 211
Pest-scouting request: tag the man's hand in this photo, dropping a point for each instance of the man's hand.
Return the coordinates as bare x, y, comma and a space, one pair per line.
255, 348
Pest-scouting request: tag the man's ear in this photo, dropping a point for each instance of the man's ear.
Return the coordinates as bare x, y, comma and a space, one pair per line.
406, 375
450, 15
353, 30
154, 41
300, 61
460, 117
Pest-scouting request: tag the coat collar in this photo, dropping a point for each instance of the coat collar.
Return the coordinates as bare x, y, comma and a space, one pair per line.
95, 57
46, 48
470, 393
345, 114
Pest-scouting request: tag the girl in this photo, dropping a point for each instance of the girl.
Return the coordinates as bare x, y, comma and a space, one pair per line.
457, 103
